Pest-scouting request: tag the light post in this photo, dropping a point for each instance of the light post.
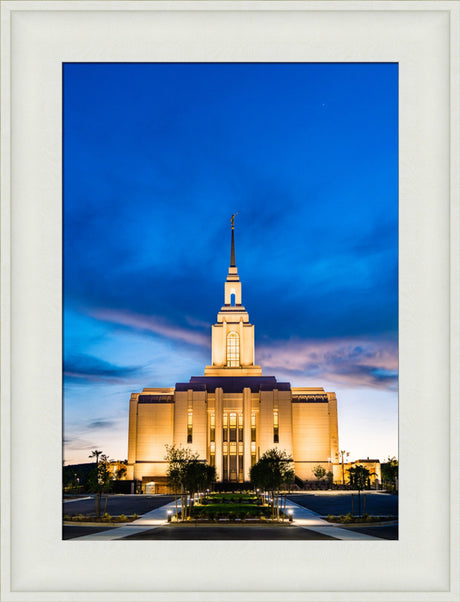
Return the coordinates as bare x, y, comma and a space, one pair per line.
291, 515
169, 515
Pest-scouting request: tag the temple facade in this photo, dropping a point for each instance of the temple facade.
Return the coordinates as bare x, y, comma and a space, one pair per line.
232, 414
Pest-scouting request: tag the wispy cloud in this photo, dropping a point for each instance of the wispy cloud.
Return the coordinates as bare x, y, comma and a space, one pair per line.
153, 324
86, 368
350, 362
101, 424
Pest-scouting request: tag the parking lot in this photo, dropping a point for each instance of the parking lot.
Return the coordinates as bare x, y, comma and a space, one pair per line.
339, 502
116, 504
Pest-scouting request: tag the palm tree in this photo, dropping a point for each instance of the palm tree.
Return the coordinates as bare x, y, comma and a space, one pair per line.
345, 454
95, 454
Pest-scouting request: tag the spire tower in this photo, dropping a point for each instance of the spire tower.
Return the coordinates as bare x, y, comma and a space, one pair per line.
232, 252
233, 335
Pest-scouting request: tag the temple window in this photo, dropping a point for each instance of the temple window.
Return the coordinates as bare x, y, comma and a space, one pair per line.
276, 433
189, 427
233, 350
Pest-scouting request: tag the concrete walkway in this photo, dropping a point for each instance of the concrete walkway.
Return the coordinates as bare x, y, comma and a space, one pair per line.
313, 522
150, 520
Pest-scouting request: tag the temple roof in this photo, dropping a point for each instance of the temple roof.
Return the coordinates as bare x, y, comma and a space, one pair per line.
233, 384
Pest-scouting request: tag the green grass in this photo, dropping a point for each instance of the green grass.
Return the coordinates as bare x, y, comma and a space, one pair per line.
231, 511
349, 518
105, 518
229, 498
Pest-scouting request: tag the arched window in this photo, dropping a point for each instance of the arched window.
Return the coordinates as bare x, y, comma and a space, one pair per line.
233, 350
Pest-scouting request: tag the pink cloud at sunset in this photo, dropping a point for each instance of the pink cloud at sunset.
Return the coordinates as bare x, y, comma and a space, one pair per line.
352, 362
144, 323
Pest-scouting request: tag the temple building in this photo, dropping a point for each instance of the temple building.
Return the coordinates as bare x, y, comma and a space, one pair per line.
232, 414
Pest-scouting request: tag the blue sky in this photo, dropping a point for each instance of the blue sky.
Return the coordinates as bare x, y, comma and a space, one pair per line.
157, 157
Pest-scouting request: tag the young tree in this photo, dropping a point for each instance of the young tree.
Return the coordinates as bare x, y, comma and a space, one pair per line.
274, 469
100, 480
319, 472
93, 480
198, 476
390, 470
359, 477
188, 474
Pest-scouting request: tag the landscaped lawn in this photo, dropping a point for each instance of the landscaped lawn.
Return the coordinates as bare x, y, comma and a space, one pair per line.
231, 506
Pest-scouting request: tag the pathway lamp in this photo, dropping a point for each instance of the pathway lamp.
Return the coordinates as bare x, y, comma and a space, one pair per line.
169, 515
291, 515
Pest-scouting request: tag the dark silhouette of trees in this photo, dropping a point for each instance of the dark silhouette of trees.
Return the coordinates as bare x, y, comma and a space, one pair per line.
359, 479
187, 475
273, 470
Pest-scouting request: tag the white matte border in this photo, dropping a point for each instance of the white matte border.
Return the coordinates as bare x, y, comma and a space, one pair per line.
36, 38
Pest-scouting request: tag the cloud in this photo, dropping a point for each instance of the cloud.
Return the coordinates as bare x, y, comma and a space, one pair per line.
144, 323
353, 362
78, 444
85, 368
101, 424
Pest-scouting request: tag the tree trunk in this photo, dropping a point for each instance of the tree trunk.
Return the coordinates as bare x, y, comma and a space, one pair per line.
192, 497
182, 503
98, 505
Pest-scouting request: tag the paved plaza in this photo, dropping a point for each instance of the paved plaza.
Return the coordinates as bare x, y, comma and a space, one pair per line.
307, 524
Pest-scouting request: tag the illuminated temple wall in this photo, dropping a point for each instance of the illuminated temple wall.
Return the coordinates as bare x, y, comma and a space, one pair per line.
202, 420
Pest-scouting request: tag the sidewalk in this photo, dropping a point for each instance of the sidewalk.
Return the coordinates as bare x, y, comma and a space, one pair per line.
150, 520
313, 522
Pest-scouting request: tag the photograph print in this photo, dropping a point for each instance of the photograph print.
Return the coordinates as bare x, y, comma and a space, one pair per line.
230, 286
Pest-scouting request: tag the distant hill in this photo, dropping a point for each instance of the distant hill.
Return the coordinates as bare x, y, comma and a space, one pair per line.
82, 472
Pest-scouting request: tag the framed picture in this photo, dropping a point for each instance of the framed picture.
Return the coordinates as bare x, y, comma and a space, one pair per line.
37, 39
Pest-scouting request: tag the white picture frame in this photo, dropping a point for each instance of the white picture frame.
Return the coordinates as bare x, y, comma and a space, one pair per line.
37, 37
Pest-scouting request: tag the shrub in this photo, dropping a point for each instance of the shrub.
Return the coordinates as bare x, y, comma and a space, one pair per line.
348, 518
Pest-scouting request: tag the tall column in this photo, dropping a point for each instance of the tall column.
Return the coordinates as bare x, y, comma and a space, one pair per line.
219, 405
241, 335
333, 427
247, 402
